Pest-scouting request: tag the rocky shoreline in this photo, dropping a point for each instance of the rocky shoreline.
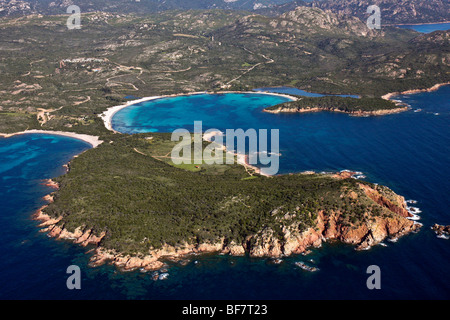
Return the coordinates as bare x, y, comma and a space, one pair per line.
388, 96
263, 244
358, 113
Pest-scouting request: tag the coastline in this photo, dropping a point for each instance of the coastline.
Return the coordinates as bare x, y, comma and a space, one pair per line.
152, 261
110, 112
94, 141
436, 87
262, 244
352, 113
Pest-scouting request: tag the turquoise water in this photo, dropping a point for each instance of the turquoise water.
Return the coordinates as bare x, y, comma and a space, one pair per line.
182, 111
301, 92
408, 152
427, 28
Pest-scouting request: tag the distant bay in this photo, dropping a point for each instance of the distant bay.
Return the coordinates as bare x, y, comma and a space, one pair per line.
426, 28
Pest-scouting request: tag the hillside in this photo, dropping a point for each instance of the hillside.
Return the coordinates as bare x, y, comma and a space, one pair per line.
64, 84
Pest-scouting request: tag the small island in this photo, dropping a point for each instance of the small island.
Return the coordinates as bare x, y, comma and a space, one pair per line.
354, 106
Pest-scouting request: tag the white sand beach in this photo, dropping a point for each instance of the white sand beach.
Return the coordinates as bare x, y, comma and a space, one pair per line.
92, 140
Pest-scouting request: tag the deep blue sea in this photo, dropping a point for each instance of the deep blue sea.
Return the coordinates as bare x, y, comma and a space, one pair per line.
409, 152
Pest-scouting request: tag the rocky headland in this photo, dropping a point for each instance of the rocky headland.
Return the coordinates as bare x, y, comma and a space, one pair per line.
329, 226
357, 113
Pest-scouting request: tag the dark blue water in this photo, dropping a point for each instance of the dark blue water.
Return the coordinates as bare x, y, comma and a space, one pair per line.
408, 152
427, 28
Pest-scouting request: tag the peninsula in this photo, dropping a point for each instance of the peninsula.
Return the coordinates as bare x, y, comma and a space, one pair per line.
213, 210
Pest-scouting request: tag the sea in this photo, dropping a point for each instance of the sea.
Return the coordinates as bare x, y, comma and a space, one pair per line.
408, 152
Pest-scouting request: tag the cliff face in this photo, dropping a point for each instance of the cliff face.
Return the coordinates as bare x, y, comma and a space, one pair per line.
293, 239
392, 11
331, 226
81, 236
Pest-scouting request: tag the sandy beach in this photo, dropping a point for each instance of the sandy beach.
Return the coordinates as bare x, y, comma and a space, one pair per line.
92, 140
109, 114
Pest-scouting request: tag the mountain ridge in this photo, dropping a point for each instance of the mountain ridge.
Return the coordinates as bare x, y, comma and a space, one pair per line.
393, 11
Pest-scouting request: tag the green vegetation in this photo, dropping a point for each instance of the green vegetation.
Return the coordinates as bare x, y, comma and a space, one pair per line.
142, 202
161, 149
345, 104
11, 122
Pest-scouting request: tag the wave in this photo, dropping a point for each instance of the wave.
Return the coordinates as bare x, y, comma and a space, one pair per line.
413, 210
414, 217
